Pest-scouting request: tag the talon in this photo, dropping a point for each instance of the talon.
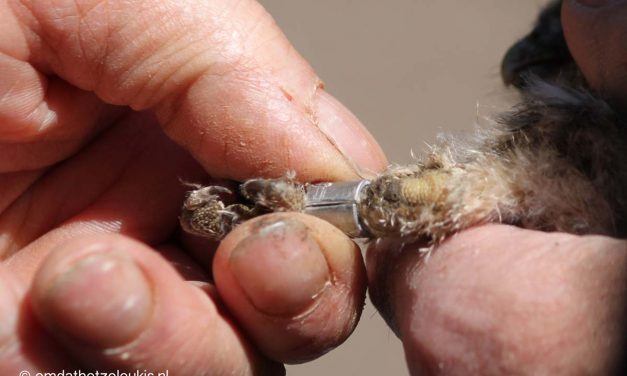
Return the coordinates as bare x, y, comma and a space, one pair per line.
424, 190
199, 197
405, 203
205, 214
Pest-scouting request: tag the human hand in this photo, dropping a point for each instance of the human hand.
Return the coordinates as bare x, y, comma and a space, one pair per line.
500, 300
86, 173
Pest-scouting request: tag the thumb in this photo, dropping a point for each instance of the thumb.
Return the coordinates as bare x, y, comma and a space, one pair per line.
224, 81
502, 300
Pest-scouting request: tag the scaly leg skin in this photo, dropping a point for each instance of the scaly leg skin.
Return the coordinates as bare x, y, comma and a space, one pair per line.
553, 164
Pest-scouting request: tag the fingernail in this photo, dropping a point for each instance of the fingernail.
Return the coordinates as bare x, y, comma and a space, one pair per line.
103, 299
280, 268
349, 135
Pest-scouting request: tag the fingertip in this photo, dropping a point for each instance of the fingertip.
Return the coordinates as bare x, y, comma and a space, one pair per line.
502, 298
87, 287
251, 129
295, 283
271, 252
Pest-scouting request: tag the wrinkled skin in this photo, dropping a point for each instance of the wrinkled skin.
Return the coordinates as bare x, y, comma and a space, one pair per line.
105, 108
83, 181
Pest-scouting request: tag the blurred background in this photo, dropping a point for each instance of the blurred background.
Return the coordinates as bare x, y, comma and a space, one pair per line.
409, 69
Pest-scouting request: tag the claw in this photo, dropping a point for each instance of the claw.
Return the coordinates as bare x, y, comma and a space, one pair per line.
200, 197
205, 214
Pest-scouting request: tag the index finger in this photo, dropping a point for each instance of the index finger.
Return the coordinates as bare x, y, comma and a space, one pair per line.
224, 81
